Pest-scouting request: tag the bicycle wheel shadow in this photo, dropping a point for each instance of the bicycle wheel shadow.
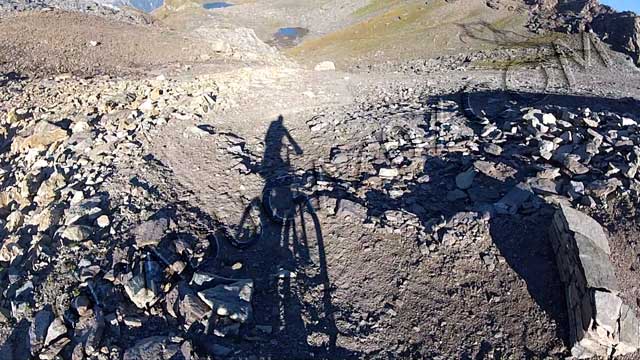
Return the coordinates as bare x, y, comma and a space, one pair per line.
293, 287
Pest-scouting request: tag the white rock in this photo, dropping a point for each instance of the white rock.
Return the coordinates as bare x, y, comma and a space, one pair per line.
628, 122
325, 66
14, 221
103, 221
80, 126
388, 173
146, 106
549, 119
219, 45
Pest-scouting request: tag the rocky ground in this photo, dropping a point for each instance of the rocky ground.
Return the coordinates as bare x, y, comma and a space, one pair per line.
194, 195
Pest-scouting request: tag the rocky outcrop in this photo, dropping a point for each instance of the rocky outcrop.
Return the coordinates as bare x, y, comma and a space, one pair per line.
600, 324
621, 30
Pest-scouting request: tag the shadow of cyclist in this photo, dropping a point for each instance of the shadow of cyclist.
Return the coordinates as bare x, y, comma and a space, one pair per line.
291, 266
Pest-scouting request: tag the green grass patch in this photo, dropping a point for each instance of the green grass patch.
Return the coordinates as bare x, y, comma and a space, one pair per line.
373, 7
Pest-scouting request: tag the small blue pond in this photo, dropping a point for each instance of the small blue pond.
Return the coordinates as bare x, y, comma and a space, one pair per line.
288, 36
291, 32
216, 5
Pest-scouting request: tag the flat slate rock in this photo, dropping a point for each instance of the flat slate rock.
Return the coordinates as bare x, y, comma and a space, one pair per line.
581, 223
597, 267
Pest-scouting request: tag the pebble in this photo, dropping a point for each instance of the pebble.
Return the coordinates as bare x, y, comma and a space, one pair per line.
103, 221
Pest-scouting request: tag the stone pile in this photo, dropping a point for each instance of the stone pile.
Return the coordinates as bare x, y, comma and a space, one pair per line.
600, 323
60, 143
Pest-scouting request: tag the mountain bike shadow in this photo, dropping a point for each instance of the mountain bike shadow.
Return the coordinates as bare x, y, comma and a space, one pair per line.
293, 288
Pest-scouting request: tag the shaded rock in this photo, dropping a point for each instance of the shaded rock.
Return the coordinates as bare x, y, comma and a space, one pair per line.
153, 348
77, 233
514, 199
54, 349
89, 330
464, 180
47, 218
205, 346
151, 232
191, 308
55, 331
622, 30
38, 330
142, 285
47, 192
87, 209
348, 208
232, 300
43, 134
82, 305
456, 195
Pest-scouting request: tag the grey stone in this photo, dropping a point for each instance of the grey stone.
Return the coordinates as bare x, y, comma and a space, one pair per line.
544, 186
56, 330
572, 163
348, 208
493, 149
464, 180
150, 232
191, 308
607, 310
89, 330
142, 285
339, 158
581, 223
88, 209
232, 300
38, 330
152, 348
602, 188
629, 331
54, 349
77, 233
598, 270
514, 199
